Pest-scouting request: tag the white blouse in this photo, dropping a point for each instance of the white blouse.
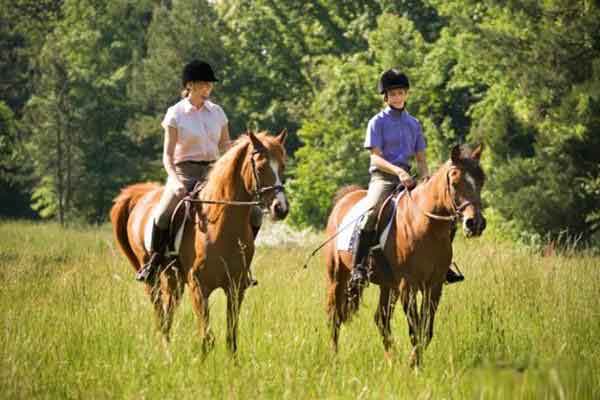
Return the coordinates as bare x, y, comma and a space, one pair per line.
198, 130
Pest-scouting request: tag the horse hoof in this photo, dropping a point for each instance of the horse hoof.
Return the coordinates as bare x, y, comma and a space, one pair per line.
413, 360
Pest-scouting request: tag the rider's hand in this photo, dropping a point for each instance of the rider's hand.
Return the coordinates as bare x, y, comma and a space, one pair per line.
407, 181
179, 189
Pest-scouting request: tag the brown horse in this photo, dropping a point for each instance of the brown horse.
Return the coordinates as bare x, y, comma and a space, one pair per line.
417, 253
219, 254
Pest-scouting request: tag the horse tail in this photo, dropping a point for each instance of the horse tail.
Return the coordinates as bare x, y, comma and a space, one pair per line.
344, 190
119, 215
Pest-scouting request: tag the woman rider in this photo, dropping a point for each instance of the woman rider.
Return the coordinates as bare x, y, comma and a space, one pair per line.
196, 134
393, 137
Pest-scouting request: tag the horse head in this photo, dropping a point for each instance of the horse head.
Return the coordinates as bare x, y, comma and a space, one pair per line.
465, 181
263, 177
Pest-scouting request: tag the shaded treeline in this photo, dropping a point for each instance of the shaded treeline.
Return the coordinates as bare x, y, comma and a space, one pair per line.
85, 83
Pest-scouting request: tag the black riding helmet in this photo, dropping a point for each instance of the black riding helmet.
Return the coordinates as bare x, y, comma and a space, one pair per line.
392, 79
197, 70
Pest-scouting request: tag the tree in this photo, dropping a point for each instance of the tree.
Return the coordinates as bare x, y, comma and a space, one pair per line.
79, 113
539, 63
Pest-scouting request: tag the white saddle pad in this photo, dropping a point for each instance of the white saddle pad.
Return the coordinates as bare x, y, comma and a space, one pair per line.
148, 236
353, 217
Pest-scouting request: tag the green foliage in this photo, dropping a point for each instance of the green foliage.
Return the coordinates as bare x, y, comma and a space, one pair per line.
333, 136
80, 108
538, 120
24, 25
15, 173
88, 81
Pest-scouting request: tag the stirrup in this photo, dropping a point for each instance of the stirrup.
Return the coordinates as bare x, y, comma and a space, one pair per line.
148, 269
359, 277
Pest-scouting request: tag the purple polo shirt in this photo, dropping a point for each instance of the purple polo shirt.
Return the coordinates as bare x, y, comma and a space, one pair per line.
397, 134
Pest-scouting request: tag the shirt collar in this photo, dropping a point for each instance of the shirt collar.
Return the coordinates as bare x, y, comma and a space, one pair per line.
188, 107
394, 113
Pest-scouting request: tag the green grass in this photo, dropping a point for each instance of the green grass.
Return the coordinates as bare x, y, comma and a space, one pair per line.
75, 324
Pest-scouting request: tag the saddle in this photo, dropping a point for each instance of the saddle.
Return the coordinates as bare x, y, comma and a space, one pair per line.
185, 211
376, 262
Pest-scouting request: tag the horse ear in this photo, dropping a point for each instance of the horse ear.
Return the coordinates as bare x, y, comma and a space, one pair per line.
256, 143
455, 154
282, 135
476, 154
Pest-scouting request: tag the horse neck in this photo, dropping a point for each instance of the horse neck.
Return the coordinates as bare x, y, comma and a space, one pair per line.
431, 197
229, 187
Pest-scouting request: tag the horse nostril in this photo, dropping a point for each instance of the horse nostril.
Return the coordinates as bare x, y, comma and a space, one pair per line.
470, 224
483, 223
280, 209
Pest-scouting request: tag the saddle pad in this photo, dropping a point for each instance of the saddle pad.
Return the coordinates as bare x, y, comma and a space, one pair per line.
148, 236
348, 226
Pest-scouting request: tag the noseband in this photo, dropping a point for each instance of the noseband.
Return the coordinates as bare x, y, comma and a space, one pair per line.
457, 210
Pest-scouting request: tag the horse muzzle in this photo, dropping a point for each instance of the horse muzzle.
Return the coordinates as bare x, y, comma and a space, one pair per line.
279, 207
474, 226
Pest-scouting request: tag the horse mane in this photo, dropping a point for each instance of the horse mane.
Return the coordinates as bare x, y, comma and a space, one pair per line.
223, 173
344, 190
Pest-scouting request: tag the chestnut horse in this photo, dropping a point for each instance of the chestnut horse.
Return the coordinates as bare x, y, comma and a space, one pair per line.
219, 254
417, 253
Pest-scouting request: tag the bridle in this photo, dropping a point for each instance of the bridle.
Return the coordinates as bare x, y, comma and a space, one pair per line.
257, 194
258, 190
457, 210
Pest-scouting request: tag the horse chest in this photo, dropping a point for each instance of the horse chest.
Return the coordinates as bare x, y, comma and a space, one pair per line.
418, 261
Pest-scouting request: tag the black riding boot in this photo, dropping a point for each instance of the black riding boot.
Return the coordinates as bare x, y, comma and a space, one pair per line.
359, 276
157, 246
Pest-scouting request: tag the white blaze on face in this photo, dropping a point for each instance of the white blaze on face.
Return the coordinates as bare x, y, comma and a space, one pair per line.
471, 181
473, 187
280, 195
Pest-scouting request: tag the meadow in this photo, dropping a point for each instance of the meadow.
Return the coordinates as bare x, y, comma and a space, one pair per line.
75, 324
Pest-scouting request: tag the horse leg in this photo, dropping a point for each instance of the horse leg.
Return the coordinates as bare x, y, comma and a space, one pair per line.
383, 315
154, 291
337, 307
335, 311
409, 304
200, 296
171, 289
235, 296
431, 300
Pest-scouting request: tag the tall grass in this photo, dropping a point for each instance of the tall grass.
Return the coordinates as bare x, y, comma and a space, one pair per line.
75, 324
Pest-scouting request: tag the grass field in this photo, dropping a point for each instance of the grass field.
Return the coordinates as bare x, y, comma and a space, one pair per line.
75, 324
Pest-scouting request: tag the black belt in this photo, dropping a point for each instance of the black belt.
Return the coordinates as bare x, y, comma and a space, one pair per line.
198, 162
